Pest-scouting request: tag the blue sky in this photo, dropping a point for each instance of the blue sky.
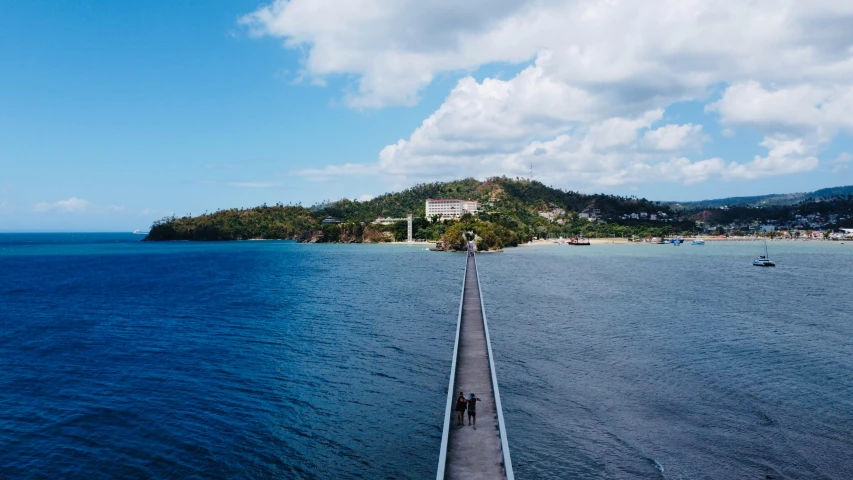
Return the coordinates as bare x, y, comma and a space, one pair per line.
114, 114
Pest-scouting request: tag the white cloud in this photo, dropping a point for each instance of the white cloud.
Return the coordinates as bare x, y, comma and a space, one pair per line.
605, 153
366, 197
683, 170
815, 109
75, 205
673, 138
599, 76
841, 162
786, 156
633, 50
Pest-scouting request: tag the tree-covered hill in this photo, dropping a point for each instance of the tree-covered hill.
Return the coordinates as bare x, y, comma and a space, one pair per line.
509, 206
264, 222
510, 196
778, 199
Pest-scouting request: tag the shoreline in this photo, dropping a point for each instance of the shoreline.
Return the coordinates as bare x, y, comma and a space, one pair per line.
687, 240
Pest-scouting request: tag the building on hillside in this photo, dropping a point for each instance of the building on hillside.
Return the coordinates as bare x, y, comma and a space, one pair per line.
590, 214
450, 207
330, 221
388, 220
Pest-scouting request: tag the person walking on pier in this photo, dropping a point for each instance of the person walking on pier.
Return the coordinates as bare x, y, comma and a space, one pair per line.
461, 405
472, 409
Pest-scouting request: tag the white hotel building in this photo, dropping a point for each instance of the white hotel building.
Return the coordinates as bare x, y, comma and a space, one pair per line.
450, 208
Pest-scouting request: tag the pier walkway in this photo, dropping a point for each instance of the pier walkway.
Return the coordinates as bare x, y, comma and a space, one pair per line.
468, 453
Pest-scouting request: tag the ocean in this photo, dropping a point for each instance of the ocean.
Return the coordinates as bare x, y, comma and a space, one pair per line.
126, 359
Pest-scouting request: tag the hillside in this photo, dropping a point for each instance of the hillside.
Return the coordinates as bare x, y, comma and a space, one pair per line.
511, 206
522, 198
782, 199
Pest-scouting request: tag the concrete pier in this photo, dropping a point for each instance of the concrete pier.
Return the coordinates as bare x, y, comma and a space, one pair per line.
466, 452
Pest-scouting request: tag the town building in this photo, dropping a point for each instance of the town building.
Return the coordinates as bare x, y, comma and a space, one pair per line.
450, 207
552, 214
590, 214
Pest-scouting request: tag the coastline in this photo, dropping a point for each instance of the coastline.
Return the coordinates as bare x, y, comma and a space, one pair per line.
624, 241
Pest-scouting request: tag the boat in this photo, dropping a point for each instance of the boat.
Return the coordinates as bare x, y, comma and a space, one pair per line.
578, 241
764, 260
677, 241
698, 241
139, 232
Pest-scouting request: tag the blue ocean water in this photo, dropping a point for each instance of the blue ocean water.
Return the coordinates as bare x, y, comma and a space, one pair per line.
121, 359
655, 361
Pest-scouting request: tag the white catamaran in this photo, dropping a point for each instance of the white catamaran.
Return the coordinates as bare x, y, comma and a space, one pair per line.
764, 260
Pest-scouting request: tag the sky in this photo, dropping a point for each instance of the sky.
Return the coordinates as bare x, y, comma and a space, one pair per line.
115, 114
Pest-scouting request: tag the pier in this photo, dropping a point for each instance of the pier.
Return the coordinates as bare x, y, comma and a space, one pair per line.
468, 453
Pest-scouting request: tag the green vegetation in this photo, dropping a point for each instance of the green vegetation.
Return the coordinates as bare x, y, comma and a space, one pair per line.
276, 222
777, 200
825, 208
509, 215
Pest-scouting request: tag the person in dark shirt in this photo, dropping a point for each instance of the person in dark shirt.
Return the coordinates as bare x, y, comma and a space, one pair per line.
461, 405
472, 409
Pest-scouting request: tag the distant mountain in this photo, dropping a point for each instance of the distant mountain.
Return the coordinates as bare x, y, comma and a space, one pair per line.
765, 200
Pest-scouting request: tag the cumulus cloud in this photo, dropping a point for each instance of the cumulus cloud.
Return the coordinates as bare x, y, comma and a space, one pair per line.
366, 197
815, 109
613, 151
75, 205
673, 138
596, 79
841, 162
786, 156
634, 50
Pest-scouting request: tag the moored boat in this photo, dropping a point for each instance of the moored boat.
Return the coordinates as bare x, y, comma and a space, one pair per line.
764, 260
578, 241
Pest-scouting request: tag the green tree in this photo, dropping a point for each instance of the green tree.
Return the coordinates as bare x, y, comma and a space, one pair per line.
454, 237
488, 239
